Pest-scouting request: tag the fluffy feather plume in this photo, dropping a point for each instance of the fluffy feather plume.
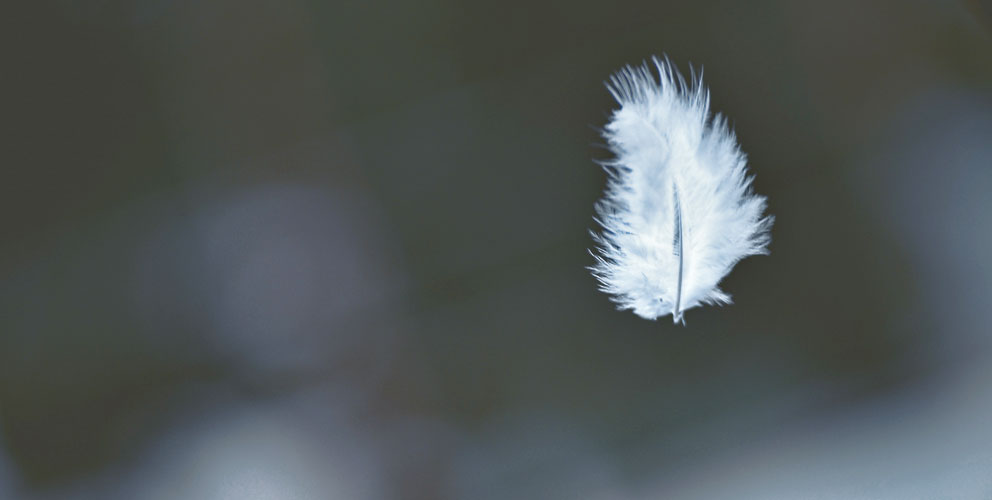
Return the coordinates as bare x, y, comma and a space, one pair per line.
679, 210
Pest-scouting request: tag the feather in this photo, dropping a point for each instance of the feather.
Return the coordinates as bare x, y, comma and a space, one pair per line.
679, 210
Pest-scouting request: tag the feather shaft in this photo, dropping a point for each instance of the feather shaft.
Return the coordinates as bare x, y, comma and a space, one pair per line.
677, 311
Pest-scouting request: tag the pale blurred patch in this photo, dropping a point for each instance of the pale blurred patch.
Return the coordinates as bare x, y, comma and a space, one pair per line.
928, 179
280, 276
534, 456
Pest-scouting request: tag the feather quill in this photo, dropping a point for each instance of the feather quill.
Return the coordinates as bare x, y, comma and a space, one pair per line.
679, 210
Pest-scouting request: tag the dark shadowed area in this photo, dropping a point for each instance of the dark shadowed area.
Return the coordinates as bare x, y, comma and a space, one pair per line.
337, 250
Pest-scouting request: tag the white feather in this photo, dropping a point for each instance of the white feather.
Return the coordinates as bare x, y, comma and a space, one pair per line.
679, 210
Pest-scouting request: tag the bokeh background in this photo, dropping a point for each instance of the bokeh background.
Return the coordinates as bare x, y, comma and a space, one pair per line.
336, 250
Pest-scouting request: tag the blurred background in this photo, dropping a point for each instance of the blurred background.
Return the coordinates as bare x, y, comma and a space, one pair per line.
337, 250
